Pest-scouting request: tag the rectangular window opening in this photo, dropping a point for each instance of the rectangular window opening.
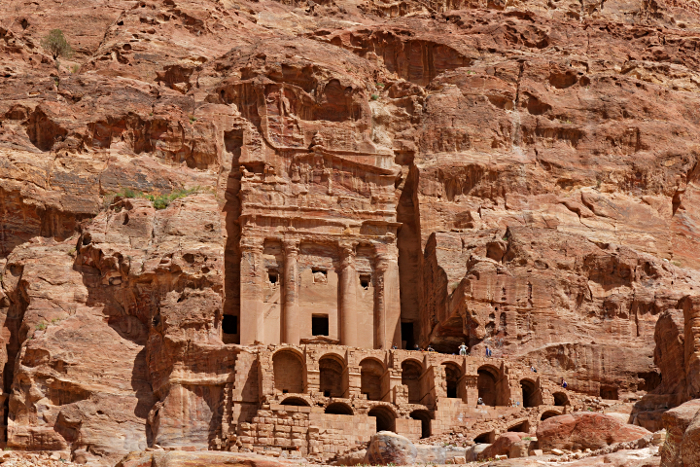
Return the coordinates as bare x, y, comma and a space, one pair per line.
407, 335
365, 281
320, 275
230, 324
319, 325
273, 276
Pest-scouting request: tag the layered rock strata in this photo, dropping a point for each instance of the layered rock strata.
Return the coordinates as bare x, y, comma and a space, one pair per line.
361, 175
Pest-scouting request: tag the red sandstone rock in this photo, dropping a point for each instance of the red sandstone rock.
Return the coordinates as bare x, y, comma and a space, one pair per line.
521, 175
583, 430
390, 448
676, 422
502, 446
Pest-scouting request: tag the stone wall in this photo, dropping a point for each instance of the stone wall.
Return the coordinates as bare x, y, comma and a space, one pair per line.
298, 416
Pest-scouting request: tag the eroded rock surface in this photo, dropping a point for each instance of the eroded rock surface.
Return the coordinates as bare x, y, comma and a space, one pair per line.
517, 176
584, 430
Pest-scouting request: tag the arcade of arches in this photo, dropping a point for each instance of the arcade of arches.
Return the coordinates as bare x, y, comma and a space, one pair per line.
350, 393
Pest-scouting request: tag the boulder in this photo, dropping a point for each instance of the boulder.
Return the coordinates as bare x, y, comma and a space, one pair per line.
676, 421
519, 449
386, 447
690, 447
503, 445
428, 454
583, 430
473, 452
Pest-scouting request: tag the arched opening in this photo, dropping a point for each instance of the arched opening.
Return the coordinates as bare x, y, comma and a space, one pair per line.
371, 373
289, 372
424, 418
487, 384
411, 372
386, 420
549, 414
484, 438
452, 376
295, 401
608, 393
531, 395
561, 399
332, 376
339, 408
650, 380
522, 427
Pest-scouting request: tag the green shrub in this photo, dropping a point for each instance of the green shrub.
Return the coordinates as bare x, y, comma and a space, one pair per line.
57, 45
374, 97
160, 201
41, 326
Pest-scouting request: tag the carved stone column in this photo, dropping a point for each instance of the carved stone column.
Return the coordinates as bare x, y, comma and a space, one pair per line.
290, 309
347, 302
252, 274
380, 267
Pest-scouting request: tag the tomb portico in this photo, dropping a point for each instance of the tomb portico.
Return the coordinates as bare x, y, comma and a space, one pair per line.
318, 249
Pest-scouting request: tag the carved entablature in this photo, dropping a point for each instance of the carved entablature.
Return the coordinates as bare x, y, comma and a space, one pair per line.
321, 192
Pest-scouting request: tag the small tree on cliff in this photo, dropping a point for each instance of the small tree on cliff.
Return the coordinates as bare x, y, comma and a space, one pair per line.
57, 45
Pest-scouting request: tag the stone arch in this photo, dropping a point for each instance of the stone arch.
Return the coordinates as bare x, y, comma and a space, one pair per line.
339, 408
490, 383
485, 438
296, 401
411, 372
560, 399
453, 374
371, 375
532, 396
523, 426
332, 376
424, 417
289, 371
386, 418
549, 414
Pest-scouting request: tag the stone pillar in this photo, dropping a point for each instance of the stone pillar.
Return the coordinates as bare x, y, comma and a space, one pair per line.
252, 276
471, 389
380, 268
347, 302
290, 308
387, 302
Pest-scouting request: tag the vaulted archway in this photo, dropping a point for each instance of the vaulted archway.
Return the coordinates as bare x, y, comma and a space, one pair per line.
386, 419
371, 375
411, 372
289, 371
332, 376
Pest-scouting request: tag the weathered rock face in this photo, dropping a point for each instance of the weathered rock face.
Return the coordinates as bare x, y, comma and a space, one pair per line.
522, 176
677, 422
583, 430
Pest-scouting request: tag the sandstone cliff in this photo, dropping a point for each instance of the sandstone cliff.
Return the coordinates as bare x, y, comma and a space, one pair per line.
529, 170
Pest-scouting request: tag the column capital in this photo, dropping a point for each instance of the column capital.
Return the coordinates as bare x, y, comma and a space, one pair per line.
347, 254
381, 263
291, 247
347, 248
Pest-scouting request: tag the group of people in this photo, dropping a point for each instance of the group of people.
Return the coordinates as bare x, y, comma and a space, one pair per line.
463, 349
